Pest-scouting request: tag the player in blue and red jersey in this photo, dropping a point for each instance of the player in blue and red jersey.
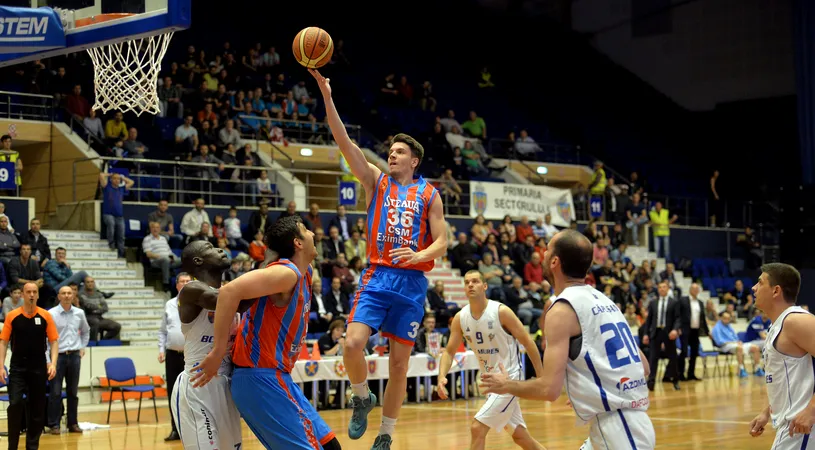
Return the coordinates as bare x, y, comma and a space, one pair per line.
406, 233
268, 343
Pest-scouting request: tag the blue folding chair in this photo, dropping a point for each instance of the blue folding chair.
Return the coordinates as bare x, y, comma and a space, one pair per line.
122, 370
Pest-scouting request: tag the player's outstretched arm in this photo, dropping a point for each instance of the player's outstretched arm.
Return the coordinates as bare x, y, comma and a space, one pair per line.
366, 172
800, 330
446, 359
561, 324
511, 323
257, 283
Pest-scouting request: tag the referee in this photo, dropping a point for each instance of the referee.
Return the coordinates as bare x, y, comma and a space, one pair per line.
74, 334
171, 346
27, 328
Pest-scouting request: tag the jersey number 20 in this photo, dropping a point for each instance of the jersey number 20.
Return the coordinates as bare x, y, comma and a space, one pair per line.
620, 342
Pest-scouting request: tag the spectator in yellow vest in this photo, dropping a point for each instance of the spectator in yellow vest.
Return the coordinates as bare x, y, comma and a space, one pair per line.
9, 155
661, 222
598, 180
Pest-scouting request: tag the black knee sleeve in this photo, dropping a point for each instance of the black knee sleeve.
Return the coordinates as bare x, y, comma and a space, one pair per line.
333, 444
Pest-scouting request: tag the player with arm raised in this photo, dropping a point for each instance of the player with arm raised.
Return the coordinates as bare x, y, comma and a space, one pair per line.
406, 233
788, 359
493, 332
587, 338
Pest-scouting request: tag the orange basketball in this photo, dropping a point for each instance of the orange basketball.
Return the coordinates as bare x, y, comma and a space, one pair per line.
312, 47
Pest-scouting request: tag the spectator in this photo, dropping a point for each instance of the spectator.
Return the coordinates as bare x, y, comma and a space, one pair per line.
337, 300
523, 229
169, 97
74, 332
94, 125
186, 136
23, 269
356, 247
112, 211
475, 127
492, 275
661, 222
636, 215
166, 223
261, 219
3, 214
333, 342
318, 306
533, 271
229, 135
194, 218
9, 155
313, 220
14, 300
257, 249
77, 104
115, 128
333, 246
428, 340
342, 271
669, 275
94, 304
519, 300
157, 249
58, 272
740, 298
29, 329
463, 255
343, 223
437, 304
8, 242
40, 250
725, 337
233, 231
134, 148
757, 330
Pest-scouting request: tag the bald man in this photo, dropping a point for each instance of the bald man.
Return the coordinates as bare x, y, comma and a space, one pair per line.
692, 317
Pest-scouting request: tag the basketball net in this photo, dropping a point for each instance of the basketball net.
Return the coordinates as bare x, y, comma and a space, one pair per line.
126, 74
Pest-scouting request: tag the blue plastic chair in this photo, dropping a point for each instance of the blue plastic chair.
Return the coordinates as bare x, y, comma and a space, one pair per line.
122, 370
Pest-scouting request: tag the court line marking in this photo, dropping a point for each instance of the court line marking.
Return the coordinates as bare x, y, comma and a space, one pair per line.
558, 414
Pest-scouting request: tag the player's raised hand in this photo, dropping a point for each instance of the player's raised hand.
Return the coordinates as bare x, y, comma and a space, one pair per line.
757, 425
405, 255
322, 82
802, 423
441, 388
495, 383
207, 370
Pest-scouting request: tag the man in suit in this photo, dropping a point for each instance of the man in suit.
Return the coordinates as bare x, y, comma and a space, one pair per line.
692, 314
336, 301
334, 245
662, 328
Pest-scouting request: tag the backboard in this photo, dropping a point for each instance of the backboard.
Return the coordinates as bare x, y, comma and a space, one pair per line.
31, 34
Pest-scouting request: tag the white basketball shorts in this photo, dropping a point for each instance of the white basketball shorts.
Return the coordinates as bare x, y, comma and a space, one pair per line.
783, 441
206, 417
501, 412
622, 429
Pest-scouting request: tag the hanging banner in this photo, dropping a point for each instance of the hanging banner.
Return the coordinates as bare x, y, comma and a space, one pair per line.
496, 200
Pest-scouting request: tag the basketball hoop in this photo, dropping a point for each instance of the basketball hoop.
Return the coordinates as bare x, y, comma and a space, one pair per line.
126, 73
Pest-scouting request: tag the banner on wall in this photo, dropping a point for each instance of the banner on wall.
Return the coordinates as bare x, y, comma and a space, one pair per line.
496, 200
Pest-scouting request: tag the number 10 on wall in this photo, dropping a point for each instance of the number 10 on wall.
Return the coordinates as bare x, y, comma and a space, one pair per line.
348, 193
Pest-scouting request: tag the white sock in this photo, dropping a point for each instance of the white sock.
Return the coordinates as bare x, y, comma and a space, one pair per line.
387, 427
741, 366
360, 389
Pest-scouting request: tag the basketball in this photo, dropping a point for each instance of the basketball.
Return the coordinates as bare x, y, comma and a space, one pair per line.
312, 47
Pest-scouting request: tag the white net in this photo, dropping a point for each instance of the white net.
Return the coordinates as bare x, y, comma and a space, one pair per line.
126, 74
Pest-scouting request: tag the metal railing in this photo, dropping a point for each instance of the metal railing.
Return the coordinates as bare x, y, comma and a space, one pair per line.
20, 105
304, 132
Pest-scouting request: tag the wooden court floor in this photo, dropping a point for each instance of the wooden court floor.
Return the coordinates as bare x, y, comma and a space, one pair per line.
714, 413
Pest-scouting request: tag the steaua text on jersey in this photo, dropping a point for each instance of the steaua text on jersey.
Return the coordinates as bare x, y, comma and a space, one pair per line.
399, 216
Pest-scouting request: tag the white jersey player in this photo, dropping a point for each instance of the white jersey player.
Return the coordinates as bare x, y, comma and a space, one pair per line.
206, 416
788, 359
493, 332
590, 348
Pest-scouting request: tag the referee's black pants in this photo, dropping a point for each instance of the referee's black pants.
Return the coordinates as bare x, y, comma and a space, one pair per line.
173, 365
31, 382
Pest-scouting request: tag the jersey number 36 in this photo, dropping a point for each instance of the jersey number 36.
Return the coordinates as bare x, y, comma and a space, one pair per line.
406, 218
620, 346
